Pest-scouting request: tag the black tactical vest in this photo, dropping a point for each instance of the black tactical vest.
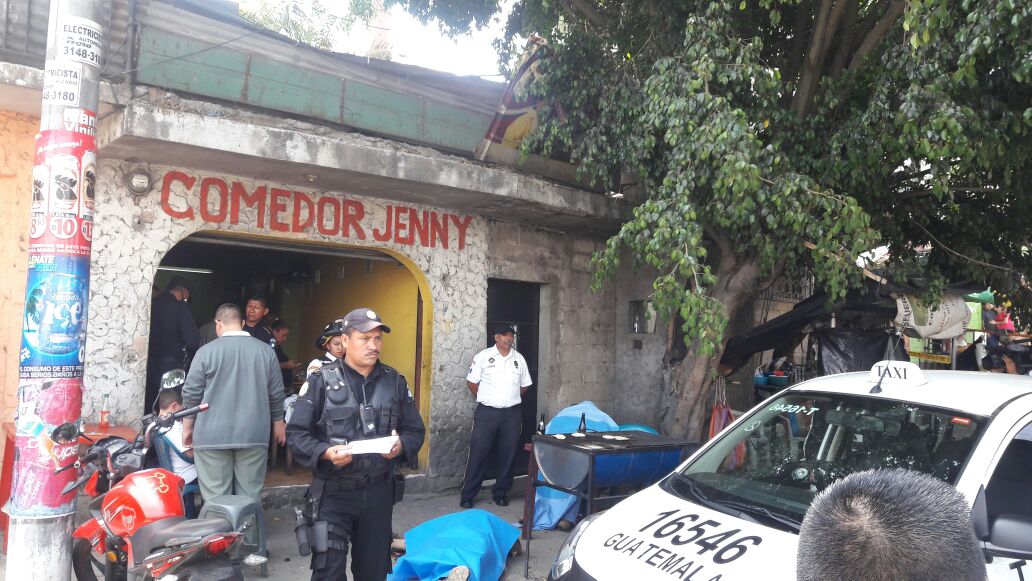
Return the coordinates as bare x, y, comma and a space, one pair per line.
340, 418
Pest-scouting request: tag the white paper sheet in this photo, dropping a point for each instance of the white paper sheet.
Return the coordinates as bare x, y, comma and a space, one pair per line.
374, 446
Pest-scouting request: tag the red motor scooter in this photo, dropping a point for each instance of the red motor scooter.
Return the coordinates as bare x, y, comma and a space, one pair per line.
138, 531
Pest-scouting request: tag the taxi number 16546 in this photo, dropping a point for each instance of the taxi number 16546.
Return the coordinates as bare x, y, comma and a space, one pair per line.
684, 529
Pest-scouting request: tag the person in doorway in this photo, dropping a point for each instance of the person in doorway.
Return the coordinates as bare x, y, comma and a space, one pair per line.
886, 525
281, 332
255, 311
173, 335
350, 399
240, 380
207, 332
497, 379
329, 341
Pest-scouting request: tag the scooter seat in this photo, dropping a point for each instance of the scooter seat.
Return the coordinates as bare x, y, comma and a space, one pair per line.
155, 535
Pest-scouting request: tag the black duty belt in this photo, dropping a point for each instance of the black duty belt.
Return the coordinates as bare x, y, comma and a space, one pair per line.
353, 482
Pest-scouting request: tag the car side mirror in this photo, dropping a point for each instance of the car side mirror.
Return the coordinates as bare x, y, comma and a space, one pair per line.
1013, 532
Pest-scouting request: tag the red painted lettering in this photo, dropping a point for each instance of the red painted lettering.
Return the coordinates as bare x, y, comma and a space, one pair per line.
402, 234
353, 214
420, 227
277, 205
438, 230
302, 199
238, 193
461, 226
328, 207
166, 192
219, 215
385, 234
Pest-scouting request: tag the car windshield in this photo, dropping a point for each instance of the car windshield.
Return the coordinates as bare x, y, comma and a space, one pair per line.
781, 456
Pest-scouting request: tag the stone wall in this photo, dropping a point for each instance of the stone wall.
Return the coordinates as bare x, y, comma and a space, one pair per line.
577, 361
639, 380
133, 233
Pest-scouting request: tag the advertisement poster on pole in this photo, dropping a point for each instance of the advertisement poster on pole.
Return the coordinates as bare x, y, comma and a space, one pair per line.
47, 439
63, 193
54, 325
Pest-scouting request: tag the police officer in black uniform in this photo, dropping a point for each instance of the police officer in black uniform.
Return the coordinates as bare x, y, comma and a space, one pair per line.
350, 399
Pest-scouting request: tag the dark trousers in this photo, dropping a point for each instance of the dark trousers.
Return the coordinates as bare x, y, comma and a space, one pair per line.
363, 516
496, 433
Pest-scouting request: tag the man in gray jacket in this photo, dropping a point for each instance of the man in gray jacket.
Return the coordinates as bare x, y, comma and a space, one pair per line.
240, 380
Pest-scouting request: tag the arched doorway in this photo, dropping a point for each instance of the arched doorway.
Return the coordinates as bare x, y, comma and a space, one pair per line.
308, 285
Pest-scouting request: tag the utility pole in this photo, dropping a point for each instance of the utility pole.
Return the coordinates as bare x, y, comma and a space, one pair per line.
54, 324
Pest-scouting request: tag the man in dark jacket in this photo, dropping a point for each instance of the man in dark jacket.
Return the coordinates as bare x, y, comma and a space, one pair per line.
349, 400
173, 335
240, 380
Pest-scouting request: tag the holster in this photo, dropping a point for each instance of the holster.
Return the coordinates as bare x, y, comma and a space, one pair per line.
311, 533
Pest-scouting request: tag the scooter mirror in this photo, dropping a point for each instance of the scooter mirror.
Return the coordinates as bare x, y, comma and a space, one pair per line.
66, 433
173, 379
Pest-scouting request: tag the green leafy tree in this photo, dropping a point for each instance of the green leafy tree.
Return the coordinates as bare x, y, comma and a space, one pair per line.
307, 21
777, 139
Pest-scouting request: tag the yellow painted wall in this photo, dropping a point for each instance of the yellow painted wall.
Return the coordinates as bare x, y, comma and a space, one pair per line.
17, 139
389, 289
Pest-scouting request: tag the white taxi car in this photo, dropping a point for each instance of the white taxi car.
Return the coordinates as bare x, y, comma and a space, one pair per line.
733, 509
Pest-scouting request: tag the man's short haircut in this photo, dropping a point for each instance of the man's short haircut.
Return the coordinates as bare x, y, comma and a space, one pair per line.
168, 397
280, 324
260, 297
181, 283
228, 313
883, 525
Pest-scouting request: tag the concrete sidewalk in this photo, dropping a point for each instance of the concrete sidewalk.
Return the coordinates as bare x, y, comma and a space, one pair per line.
286, 565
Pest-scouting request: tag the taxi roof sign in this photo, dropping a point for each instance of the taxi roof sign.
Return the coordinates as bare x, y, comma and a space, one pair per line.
897, 373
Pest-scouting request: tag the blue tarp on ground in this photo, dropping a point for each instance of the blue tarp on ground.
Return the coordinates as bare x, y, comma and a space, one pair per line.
473, 538
550, 505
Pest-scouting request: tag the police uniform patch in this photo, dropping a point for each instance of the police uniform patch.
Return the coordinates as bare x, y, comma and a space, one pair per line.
516, 363
490, 360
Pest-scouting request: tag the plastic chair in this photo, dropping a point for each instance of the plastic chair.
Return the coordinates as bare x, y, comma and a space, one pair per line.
164, 449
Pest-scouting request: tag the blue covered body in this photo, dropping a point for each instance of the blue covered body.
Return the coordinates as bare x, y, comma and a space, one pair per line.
473, 538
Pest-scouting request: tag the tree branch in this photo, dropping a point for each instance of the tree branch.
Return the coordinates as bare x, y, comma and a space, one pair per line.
794, 60
587, 9
829, 16
845, 43
875, 36
949, 250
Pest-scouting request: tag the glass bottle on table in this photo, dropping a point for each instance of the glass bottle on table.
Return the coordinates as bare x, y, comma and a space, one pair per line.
104, 423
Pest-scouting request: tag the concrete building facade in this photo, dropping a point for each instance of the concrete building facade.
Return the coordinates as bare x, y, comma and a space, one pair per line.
384, 176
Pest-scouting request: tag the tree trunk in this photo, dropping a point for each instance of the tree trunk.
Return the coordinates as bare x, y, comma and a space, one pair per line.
689, 399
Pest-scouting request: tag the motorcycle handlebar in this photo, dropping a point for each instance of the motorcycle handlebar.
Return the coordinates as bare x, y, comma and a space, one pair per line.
190, 411
89, 457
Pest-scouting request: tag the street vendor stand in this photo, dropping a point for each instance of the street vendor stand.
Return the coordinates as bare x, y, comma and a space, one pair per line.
575, 468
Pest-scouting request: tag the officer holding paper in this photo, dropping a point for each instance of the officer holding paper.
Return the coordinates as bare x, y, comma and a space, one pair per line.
350, 501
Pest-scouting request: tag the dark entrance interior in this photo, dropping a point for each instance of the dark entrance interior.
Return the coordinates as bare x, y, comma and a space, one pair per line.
307, 286
518, 304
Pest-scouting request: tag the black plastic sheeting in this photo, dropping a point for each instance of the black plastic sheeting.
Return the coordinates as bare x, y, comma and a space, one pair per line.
783, 330
846, 350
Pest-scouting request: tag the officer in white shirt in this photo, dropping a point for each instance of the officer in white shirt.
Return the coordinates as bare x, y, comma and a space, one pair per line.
497, 378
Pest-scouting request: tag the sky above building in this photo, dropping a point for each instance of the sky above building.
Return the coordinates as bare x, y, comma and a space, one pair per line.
412, 42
